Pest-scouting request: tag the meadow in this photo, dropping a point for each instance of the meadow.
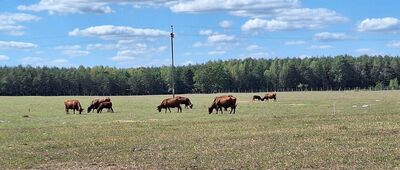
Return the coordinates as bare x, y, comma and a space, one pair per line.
301, 130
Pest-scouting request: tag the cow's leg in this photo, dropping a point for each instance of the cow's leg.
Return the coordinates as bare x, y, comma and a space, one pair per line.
73, 110
179, 108
112, 110
66, 110
220, 108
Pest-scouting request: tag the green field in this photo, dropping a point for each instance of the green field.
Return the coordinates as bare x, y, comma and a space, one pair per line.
300, 130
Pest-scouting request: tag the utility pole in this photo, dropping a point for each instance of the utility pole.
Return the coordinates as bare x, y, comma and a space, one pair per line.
172, 56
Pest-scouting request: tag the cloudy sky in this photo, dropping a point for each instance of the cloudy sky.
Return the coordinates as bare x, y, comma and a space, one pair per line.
133, 33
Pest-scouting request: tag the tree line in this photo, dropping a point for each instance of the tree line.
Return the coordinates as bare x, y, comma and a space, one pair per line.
318, 73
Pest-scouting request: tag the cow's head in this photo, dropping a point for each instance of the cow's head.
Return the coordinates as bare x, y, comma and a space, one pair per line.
210, 110
89, 109
80, 111
159, 108
191, 106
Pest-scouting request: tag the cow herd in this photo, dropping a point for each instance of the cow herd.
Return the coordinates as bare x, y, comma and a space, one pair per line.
219, 103
266, 97
96, 104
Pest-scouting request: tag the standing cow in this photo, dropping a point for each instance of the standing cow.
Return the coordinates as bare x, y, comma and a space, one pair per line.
94, 105
74, 105
170, 103
186, 101
270, 96
223, 102
103, 105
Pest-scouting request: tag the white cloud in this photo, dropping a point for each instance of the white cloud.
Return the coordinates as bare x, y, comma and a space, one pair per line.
313, 16
190, 6
270, 25
68, 6
41, 61
206, 32
117, 32
162, 48
125, 55
279, 14
129, 44
9, 22
16, 45
99, 46
320, 47
293, 19
295, 42
76, 53
68, 47
225, 24
195, 6
364, 50
198, 44
60, 61
218, 38
388, 24
72, 50
4, 58
328, 36
257, 55
253, 47
369, 51
395, 44
85, 6
129, 51
216, 52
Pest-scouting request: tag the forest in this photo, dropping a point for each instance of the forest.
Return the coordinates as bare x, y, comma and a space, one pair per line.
235, 75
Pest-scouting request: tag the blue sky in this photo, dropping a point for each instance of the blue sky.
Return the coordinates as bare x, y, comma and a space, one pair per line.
132, 33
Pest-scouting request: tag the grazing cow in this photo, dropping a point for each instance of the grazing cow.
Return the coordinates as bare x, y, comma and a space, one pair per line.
185, 101
223, 102
103, 105
96, 102
74, 105
270, 96
170, 103
257, 97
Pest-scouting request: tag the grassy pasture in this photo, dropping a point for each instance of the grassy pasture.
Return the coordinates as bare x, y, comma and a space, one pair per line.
300, 130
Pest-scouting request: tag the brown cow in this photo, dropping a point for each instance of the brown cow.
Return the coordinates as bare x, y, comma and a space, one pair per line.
270, 96
74, 105
257, 97
103, 105
96, 102
170, 103
223, 102
185, 101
